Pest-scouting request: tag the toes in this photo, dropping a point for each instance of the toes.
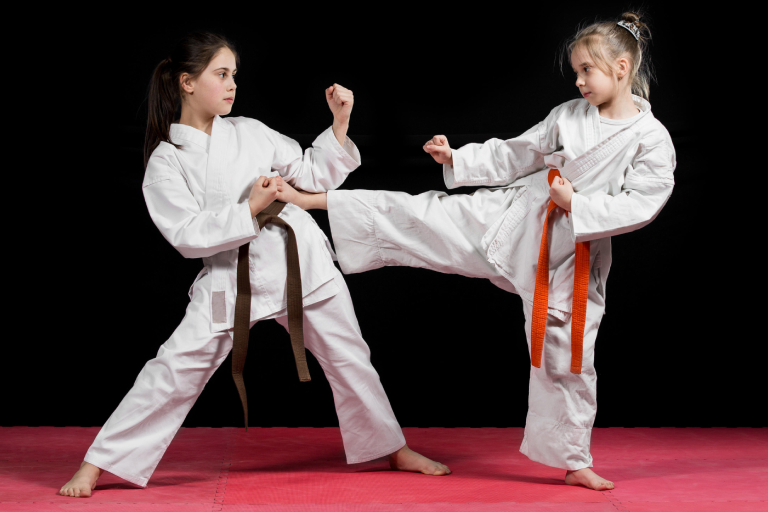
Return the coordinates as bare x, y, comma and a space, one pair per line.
440, 470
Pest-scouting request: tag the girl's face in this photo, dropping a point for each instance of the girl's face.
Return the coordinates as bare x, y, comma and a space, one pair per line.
593, 84
213, 92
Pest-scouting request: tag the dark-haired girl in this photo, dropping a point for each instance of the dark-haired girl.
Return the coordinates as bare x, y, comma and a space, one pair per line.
596, 167
206, 179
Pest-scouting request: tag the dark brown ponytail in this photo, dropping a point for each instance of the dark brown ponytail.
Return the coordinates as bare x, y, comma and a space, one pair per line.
191, 55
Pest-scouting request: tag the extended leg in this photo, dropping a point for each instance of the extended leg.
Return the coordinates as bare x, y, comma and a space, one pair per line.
138, 432
368, 425
433, 230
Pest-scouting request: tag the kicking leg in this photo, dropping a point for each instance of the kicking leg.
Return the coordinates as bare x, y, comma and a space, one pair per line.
369, 429
373, 229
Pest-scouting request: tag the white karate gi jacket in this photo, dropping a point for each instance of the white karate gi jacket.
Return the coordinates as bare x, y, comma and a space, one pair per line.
620, 184
198, 198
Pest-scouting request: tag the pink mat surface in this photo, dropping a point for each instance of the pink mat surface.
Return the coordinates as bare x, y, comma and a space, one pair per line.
303, 469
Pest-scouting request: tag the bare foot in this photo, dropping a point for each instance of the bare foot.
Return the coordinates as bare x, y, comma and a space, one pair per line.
81, 485
406, 459
588, 479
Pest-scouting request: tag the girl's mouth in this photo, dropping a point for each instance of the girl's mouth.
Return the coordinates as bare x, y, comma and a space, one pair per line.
230, 100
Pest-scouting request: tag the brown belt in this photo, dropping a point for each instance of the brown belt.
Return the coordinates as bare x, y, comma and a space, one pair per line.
243, 305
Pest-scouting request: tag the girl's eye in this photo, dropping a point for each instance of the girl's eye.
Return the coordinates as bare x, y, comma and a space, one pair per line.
586, 69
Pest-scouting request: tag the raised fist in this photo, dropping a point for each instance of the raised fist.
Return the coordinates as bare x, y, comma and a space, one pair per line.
438, 147
340, 101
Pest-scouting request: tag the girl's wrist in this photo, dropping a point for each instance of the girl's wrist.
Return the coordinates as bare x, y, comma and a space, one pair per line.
340, 130
316, 201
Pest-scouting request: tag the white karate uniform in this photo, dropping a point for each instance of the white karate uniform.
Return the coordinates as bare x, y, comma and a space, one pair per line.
621, 182
198, 197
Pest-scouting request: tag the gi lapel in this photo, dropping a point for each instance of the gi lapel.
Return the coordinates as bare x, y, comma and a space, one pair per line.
599, 152
216, 198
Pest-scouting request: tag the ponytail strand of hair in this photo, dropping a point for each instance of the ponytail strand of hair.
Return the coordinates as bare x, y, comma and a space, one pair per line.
163, 102
190, 56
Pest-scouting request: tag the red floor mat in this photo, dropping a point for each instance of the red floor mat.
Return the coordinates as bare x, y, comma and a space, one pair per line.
303, 469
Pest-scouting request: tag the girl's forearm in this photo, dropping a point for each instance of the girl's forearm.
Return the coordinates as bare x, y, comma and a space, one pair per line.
315, 201
340, 131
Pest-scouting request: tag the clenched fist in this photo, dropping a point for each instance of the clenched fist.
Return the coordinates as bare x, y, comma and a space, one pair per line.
438, 147
263, 192
340, 101
561, 193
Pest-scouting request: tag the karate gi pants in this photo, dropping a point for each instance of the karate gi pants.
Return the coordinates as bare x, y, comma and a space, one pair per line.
433, 230
138, 432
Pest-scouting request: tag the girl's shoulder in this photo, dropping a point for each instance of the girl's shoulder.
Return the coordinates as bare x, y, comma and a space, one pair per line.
569, 111
574, 107
163, 164
252, 128
247, 124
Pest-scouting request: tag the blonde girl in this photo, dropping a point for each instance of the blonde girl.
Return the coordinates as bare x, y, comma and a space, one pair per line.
595, 167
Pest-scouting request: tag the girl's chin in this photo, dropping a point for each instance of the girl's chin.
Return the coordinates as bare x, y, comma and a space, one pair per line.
591, 99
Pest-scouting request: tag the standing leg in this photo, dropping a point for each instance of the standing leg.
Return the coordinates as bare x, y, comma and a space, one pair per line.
136, 435
562, 405
368, 426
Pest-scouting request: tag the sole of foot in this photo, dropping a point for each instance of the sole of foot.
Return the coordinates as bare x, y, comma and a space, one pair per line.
83, 482
406, 459
589, 479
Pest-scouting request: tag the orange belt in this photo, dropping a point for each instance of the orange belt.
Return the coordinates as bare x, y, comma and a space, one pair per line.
541, 295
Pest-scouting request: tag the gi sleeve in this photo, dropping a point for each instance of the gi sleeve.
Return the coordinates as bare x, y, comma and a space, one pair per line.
320, 168
193, 232
500, 162
647, 186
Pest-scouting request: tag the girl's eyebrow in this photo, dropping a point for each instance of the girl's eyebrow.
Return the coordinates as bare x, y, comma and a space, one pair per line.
225, 69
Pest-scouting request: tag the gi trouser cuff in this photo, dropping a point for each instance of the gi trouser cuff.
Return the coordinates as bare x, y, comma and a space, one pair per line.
351, 216
557, 445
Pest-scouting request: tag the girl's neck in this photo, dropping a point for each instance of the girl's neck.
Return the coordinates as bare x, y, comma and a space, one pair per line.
620, 107
190, 117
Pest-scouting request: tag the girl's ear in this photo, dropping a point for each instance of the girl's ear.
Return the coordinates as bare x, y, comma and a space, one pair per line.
186, 83
622, 67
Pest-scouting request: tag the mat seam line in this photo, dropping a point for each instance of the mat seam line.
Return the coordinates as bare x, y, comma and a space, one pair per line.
221, 482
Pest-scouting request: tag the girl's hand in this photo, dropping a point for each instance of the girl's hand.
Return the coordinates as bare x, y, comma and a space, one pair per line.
340, 101
263, 192
304, 200
288, 194
561, 192
438, 147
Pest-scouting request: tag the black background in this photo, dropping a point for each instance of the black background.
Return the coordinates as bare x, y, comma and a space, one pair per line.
679, 346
